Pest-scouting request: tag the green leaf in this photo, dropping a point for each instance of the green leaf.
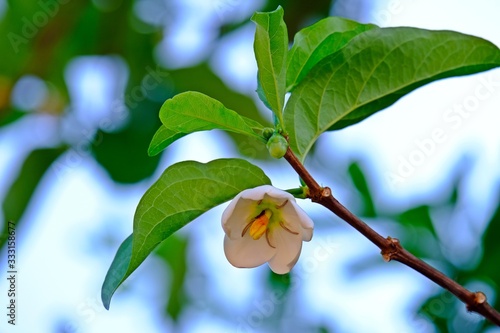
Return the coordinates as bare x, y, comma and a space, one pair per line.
162, 139
117, 271
182, 193
317, 41
165, 136
261, 94
185, 191
192, 111
373, 71
271, 46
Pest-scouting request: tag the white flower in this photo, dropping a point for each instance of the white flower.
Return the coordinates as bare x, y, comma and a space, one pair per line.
265, 224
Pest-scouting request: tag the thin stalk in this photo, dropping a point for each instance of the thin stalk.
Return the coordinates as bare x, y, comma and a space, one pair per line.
390, 248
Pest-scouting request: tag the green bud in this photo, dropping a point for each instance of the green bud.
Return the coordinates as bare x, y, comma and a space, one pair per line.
277, 145
267, 133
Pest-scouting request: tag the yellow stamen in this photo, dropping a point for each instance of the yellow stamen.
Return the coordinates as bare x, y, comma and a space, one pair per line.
285, 227
259, 225
246, 228
267, 239
282, 205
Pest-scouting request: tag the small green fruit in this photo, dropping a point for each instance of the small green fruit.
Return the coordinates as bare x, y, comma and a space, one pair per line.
277, 145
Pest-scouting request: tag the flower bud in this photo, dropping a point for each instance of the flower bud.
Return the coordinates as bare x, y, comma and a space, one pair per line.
277, 145
267, 133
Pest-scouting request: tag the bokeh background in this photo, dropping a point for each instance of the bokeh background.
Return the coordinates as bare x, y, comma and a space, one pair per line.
81, 84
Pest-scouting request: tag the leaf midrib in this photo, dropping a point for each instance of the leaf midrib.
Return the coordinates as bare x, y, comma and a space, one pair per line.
275, 78
248, 130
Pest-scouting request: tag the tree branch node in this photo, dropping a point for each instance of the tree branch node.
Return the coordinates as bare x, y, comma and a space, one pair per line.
393, 247
321, 194
480, 297
326, 192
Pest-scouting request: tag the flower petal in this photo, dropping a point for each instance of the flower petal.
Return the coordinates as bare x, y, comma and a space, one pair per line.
247, 252
288, 247
235, 217
257, 193
297, 218
274, 193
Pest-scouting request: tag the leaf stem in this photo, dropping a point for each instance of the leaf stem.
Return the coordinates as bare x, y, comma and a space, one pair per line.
299, 192
390, 248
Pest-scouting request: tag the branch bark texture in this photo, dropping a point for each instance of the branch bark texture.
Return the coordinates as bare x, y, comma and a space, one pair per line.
390, 248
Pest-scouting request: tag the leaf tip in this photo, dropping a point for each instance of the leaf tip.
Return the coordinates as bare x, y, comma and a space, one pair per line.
278, 10
117, 272
105, 301
153, 151
106, 293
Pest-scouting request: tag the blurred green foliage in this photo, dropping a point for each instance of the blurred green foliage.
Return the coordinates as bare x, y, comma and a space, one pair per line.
173, 253
442, 309
21, 190
415, 228
43, 37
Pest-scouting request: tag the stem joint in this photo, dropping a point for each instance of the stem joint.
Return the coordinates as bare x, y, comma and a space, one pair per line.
392, 249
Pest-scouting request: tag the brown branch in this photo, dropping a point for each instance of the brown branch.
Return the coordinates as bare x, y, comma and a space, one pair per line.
390, 248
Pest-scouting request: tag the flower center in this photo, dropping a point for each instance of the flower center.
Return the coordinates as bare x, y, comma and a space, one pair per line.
268, 217
259, 226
